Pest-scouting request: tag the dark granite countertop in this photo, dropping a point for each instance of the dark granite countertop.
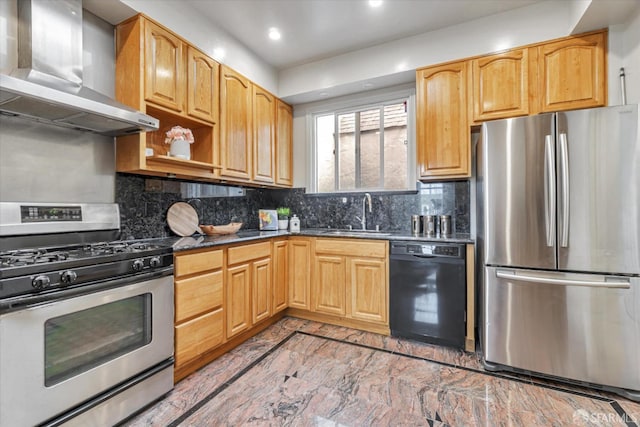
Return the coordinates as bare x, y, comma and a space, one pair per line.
201, 241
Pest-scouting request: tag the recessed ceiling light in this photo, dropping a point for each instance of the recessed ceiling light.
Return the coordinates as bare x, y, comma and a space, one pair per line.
274, 33
367, 85
218, 53
324, 94
375, 3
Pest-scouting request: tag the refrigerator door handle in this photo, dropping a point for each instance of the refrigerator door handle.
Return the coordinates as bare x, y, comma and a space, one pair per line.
549, 191
511, 275
564, 172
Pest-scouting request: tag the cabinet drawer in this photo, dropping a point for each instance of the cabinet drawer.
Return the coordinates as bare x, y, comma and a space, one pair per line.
198, 294
196, 262
245, 253
198, 336
352, 247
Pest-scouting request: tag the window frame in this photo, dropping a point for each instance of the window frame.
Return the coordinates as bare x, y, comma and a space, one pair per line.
358, 103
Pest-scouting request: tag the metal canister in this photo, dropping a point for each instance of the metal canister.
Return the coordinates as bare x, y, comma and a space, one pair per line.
416, 226
429, 225
445, 225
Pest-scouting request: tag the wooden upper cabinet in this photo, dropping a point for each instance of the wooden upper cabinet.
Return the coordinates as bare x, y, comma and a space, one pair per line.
572, 73
164, 67
443, 138
203, 82
500, 85
284, 144
264, 118
235, 125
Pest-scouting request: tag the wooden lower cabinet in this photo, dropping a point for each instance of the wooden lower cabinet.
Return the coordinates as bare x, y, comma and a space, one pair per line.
367, 292
248, 286
329, 284
261, 290
199, 311
197, 336
227, 294
300, 270
238, 300
280, 259
351, 283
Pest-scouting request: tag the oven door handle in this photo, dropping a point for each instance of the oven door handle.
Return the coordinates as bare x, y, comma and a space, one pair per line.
27, 301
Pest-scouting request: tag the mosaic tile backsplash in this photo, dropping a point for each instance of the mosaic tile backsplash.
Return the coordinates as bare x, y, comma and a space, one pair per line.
144, 203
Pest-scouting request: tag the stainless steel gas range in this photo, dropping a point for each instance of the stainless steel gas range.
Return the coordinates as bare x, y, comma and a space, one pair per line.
86, 325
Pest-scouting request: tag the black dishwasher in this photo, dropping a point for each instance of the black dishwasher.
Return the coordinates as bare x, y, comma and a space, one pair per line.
427, 292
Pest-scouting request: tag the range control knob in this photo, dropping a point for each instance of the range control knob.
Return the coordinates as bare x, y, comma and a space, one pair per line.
137, 265
41, 282
68, 277
155, 262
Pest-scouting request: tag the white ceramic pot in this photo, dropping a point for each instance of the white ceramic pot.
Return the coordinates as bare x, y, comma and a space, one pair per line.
283, 224
180, 148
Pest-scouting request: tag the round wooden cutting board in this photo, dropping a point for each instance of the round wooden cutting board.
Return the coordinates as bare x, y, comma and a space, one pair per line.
183, 219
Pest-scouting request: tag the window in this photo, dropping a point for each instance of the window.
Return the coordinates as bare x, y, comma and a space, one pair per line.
364, 148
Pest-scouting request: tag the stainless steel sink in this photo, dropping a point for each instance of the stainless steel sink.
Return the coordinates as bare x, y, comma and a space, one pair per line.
345, 232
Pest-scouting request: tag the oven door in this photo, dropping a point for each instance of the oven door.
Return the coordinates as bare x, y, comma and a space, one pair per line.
58, 354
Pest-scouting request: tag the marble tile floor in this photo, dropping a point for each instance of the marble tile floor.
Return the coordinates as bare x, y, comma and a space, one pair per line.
303, 373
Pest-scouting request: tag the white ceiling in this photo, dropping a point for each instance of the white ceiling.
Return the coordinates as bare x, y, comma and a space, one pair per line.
317, 29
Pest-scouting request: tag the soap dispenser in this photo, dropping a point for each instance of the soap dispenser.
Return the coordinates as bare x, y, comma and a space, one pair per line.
294, 224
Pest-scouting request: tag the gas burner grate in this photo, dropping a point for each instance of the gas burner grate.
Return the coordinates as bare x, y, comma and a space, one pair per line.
116, 247
31, 256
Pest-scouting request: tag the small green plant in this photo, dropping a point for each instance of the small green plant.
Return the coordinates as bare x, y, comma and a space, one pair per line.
283, 213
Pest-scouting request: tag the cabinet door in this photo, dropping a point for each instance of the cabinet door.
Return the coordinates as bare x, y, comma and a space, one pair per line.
300, 273
164, 68
202, 86
572, 73
501, 85
235, 125
329, 284
198, 294
284, 144
198, 335
264, 117
260, 290
280, 275
238, 299
368, 286
443, 136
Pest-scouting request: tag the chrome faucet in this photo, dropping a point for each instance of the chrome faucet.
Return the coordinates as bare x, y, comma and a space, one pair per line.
363, 220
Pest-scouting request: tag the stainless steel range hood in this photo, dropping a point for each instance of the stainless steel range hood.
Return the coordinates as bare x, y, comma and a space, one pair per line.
47, 85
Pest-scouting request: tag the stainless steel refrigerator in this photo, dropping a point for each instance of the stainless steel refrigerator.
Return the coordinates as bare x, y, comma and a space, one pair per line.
558, 231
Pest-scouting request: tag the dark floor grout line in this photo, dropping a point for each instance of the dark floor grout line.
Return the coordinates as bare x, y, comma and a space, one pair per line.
626, 418
229, 382
451, 365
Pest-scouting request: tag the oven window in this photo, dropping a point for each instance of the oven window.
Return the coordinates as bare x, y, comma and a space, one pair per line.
77, 342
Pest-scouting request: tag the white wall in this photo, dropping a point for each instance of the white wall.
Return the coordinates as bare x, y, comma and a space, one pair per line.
541, 21
207, 37
42, 163
624, 51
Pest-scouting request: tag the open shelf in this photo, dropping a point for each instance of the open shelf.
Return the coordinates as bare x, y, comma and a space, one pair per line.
183, 162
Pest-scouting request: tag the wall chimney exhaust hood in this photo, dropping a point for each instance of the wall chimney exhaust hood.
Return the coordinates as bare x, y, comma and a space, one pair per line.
47, 85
